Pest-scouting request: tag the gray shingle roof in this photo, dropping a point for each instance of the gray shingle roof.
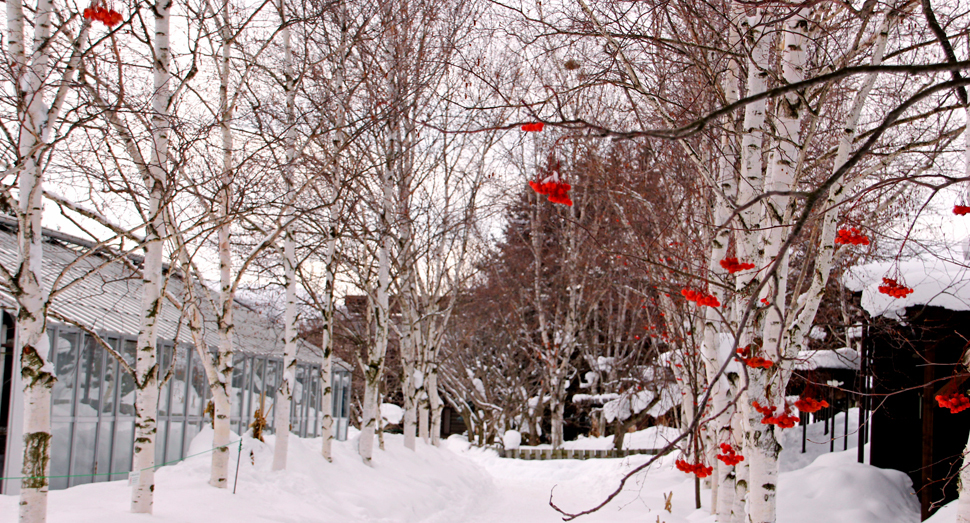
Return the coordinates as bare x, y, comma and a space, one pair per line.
109, 299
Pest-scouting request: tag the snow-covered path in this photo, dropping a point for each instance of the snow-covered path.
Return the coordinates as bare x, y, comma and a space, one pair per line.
463, 484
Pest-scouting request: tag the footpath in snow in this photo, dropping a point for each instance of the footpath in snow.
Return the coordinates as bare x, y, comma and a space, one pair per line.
463, 483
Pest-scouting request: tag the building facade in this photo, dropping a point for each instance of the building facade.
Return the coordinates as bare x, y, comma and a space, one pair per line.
93, 400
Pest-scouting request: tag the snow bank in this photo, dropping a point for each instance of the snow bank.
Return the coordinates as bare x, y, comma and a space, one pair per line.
511, 439
817, 443
844, 358
392, 414
836, 489
629, 404
429, 485
651, 438
935, 281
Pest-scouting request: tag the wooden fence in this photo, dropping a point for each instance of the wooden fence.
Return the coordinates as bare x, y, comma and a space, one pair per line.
544, 454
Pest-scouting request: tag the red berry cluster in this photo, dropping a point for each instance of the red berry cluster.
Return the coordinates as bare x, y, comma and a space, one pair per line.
961, 210
894, 289
697, 468
107, 17
557, 191
851, 236
533, 127
732, 265
783, 420
807, 404
756, 361
729, 456
700, 298
955, 401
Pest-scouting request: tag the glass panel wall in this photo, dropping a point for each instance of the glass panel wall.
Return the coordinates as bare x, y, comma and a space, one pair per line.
93, 403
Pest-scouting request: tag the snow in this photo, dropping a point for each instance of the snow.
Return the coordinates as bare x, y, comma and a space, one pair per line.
935, 281
630, 404
511, 439
597, 399
844, 358
836, 489
391, 413
818, 333
463, 483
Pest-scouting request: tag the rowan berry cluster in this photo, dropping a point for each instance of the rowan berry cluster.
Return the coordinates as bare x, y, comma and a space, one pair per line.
783, 419
806, 404
753, 361
700, 298
732, 265
757, 361
558, 192
533, 127
729, 456
697, 469
955, 401
894, 289
108, 17
851, 236
961, 210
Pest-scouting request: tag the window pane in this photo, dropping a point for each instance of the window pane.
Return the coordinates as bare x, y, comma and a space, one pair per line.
238, 371
165, 357
198, 388
89, 381
60, 453
110, 378
126, 401
124, 442
178, 383
174, 451
345, 411
193, 429
84, 450
271, 382
65, 368
103, 464
161, 437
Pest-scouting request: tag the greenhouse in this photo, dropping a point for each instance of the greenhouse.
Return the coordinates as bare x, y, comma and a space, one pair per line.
93, 411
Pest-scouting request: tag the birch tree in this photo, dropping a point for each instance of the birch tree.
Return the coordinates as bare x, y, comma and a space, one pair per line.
36, 72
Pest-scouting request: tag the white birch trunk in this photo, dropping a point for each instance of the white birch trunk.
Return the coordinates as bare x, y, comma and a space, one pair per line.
284, 393
765, 387
723, 495
326, 344
221, 386
326, 409
326, 331
435, 405
146, 364
374, 370
36, 371
750, 186
424, 430
797, 333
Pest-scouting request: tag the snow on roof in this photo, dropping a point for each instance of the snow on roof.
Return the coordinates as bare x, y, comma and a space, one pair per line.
594, 399
109, 299
844, 358
934, 280
629, 404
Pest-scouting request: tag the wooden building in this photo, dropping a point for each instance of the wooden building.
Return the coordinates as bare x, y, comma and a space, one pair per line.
910, 361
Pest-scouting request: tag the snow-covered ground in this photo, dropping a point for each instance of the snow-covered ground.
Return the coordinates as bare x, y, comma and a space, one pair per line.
468, 484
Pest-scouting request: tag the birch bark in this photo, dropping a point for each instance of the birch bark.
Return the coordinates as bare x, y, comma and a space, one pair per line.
763, 448
221, 387
36, 371
146, 366
284, 393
